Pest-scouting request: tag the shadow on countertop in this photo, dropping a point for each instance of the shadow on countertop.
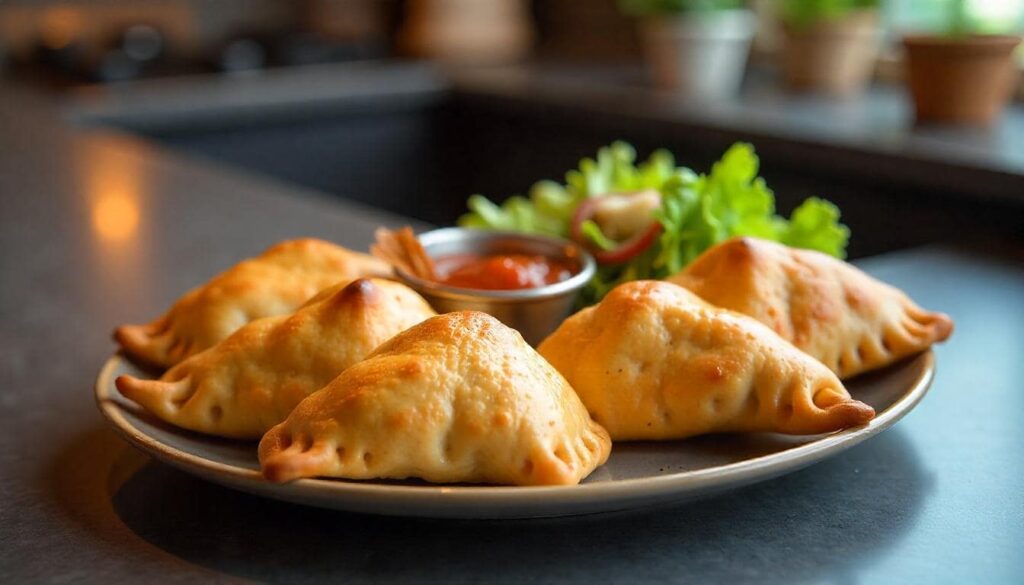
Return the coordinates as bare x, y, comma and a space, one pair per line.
822, 521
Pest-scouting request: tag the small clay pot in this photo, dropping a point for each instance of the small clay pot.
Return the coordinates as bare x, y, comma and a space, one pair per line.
960, 80
833, 56
467, 31
701, 56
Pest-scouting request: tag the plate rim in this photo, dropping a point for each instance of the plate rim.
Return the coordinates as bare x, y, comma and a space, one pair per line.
732, 474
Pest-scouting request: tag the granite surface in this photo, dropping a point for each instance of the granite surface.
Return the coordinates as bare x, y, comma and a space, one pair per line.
98, 228
874, 133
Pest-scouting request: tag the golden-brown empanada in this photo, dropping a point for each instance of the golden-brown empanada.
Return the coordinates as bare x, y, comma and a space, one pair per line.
459, 398
251, 381
653, 361
276, 282
842, 317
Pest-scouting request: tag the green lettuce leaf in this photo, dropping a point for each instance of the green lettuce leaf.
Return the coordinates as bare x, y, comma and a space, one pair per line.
697, 211
549, 207
815, 225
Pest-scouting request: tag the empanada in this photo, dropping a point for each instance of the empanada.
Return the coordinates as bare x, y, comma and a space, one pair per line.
251, 381
276, 282
842, 317
459, 398
653, 361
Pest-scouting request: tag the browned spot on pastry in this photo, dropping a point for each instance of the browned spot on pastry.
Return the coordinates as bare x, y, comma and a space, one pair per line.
714, 371
340, 453
367, 459
938, 326
849, 413
786, 410
527, 467
359, 291
284, 466
216, 413
304, 443
399, 420
741, 250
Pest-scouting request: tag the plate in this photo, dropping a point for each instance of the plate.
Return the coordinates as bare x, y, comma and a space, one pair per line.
637, 474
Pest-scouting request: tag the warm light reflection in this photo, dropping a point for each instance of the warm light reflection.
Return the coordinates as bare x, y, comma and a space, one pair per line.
59, 27
115, 217
113, 183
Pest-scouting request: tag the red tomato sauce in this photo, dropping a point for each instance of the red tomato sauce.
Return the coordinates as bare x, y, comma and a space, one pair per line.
501, 271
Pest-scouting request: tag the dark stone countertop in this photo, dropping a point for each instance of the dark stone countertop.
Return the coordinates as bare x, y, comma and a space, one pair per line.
872, 134
98, 228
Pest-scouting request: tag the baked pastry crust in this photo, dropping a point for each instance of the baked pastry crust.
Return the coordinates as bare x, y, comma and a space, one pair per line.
842, 317
276, 282
460, 398
653, 361
251, 381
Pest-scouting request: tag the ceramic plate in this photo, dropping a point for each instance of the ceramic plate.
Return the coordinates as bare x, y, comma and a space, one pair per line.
636, 475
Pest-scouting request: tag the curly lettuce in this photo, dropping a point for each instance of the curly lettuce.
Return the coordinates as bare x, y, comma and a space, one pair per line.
697, 211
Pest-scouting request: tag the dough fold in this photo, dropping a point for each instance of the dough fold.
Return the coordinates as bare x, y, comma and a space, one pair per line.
460, 398
654, 361
251, 381
276, 282
842, 317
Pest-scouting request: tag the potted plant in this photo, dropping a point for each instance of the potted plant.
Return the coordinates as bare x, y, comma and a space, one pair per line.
964, 76
467, 31
830, 45
696, 47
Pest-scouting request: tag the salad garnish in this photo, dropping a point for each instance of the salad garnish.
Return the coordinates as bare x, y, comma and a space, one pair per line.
650, 219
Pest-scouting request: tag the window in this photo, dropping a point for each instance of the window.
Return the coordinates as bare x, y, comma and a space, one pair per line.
937, 16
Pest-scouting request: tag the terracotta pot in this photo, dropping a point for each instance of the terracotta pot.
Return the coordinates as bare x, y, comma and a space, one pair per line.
477, 31
960, 80
836, 56
701, 56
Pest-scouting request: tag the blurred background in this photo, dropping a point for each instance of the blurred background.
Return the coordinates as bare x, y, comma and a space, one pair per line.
893, 109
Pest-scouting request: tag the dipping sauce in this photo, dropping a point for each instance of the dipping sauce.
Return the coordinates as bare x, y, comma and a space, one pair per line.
501, 271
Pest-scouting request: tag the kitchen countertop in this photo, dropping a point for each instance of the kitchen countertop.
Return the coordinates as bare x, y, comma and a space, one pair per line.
872, 134
99, 228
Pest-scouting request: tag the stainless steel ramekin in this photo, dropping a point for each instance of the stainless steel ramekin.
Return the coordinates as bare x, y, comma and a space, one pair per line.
534, 312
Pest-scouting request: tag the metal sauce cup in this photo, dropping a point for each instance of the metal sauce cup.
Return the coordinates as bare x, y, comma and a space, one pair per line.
534, 312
